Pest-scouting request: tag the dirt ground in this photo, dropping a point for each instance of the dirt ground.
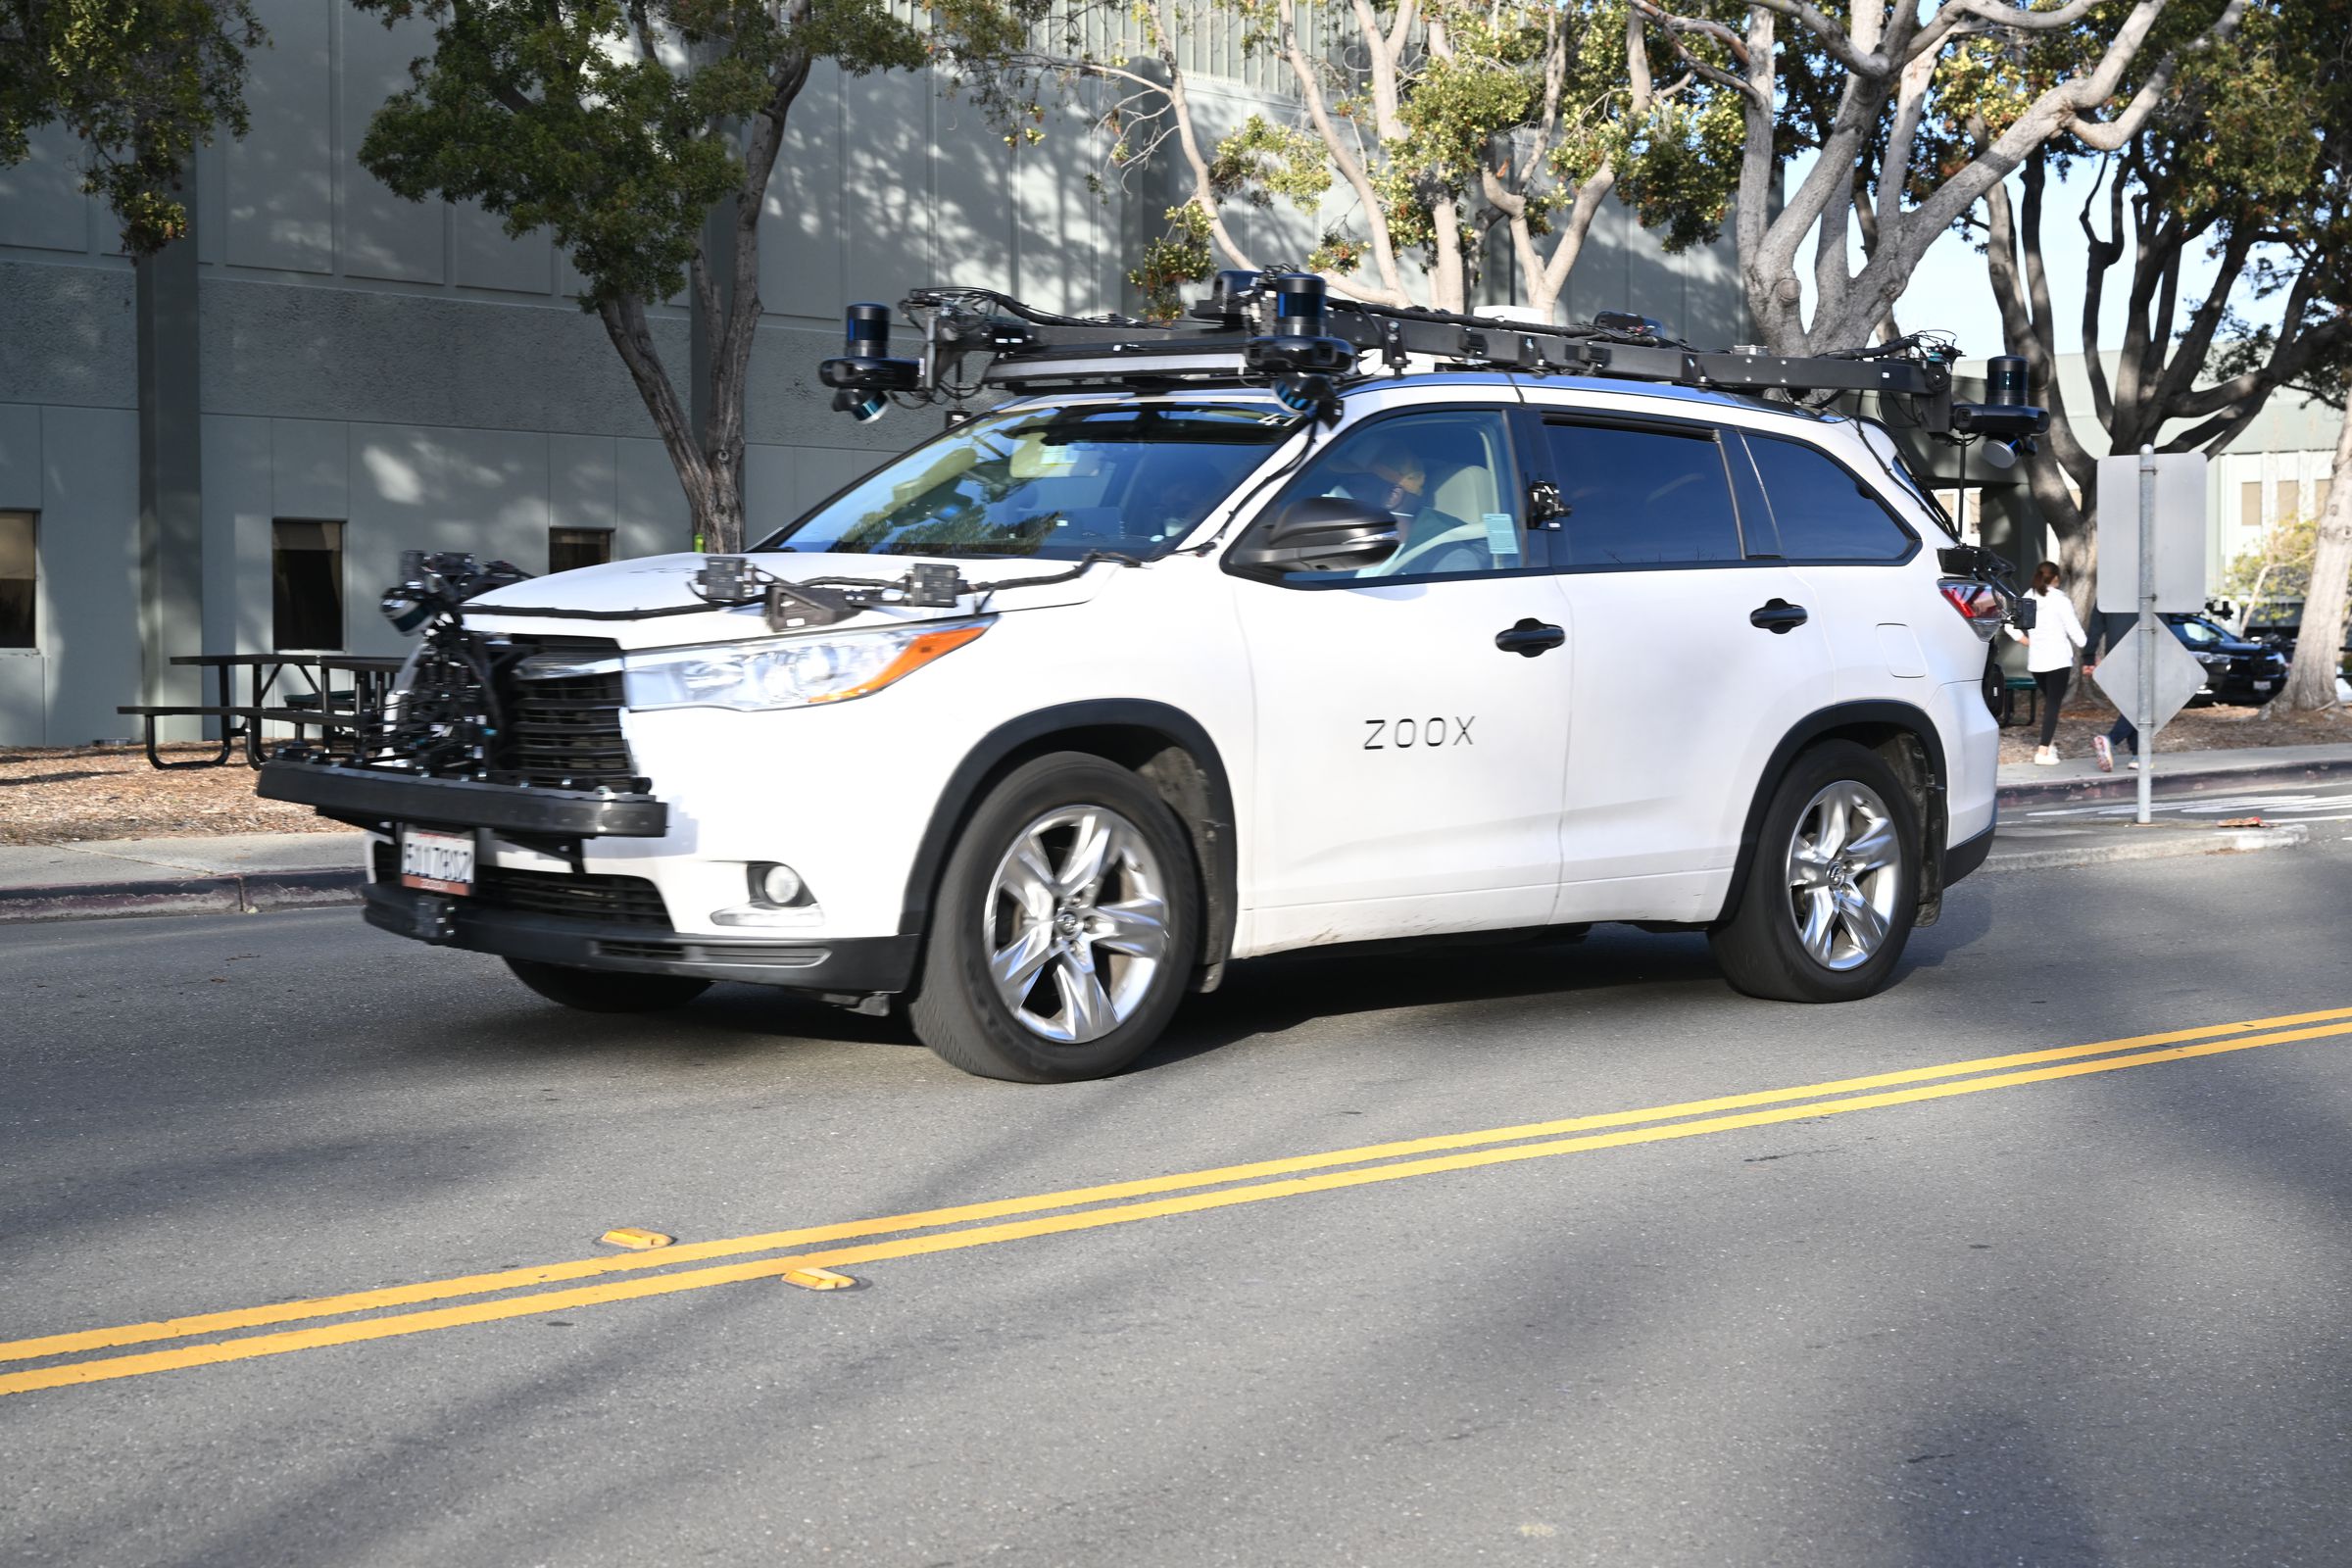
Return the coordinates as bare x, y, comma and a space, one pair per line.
2196, 729
109, 792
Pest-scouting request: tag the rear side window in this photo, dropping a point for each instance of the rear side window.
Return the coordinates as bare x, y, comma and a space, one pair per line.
1641, 498
1822, 510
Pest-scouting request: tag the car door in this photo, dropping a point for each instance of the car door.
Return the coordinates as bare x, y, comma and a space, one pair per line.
1691, 660
1848, 549
1412, 716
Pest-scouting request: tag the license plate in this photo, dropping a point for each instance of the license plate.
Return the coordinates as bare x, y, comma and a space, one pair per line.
2262, 685
437, 862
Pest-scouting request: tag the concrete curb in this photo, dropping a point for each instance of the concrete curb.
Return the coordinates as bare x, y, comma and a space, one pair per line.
247, 894
2153, 843
2124, 785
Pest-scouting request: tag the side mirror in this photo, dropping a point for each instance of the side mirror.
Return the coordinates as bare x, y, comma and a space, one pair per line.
1322, 533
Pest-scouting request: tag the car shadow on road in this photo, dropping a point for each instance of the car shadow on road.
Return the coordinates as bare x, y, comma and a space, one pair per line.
1506, 978
1259, 997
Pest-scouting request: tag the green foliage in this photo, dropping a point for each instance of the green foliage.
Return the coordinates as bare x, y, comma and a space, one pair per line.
554, 114
1673, 172
141, 83
2279, 568
1475, 118
1262, 160
1179, 257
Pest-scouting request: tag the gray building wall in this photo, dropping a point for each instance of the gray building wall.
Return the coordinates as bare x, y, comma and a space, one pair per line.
415, 372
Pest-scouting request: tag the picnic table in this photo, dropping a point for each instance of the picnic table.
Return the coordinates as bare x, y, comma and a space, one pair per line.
281, 688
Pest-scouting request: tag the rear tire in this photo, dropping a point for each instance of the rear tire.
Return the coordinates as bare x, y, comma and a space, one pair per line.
1065, 928
607, 989
1834, 887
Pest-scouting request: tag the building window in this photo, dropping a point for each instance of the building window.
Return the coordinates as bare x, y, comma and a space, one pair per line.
305, 573
567, 548
17, 577
2249, 504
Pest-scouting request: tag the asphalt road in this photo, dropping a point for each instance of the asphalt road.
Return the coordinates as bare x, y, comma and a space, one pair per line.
2078, 1308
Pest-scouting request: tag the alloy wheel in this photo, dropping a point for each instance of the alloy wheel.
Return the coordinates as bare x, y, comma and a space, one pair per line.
1845, 874
1076, 924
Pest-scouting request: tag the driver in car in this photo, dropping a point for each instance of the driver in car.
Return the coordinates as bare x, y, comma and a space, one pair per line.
1384, 472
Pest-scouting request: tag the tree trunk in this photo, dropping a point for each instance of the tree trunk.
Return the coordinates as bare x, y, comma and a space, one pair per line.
2311, 682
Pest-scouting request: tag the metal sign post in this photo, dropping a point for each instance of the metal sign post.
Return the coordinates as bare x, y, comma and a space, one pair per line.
2144, 720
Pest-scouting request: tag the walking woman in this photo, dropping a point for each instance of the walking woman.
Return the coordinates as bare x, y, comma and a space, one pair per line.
2050, 651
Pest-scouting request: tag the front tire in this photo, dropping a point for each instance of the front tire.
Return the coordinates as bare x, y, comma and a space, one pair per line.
1835, 884
607, 989
1065, 927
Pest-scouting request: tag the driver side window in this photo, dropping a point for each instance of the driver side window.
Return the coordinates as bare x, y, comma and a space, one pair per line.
1446, 478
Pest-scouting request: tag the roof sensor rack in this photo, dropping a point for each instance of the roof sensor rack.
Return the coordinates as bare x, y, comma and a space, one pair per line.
1282, 331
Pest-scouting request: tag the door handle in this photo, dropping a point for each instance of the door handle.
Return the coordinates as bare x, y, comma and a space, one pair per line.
1776, 617
1530, 637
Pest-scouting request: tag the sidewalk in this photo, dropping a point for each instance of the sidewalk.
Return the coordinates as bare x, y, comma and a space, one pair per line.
231, 874
2176, 773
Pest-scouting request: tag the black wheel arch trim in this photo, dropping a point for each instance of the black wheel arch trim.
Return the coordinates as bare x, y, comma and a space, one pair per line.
1210, 827
1968, 855
1828, 721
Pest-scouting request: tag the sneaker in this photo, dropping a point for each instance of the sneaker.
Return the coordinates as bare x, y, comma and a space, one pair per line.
2104, 752
2046, 757
2132, 766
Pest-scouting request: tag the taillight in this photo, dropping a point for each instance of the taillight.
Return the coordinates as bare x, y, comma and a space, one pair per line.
1976, 602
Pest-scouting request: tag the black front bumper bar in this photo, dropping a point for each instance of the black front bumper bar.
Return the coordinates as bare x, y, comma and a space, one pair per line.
367, 797
851, 966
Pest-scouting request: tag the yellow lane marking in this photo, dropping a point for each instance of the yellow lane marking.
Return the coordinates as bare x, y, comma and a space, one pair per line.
107, 1368
966, 1213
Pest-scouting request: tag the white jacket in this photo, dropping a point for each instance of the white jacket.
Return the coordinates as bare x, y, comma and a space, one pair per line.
2057, 632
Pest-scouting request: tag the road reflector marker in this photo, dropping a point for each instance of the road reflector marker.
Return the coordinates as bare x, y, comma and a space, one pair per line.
816, 1279
2241, 821
636, 1240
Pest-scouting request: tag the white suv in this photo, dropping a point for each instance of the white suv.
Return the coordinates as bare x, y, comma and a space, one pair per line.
1182, 675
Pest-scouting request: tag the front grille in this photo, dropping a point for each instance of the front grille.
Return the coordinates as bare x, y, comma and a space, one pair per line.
615, 899
566, 734
555, 734
619, 900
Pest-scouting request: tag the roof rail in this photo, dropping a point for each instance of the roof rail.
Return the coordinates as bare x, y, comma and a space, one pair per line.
1280, 330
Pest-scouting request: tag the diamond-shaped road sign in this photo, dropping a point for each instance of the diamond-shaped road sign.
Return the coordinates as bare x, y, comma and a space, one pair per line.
2179, 676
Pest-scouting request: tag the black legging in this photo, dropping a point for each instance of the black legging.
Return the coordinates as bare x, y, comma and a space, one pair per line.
2053, 695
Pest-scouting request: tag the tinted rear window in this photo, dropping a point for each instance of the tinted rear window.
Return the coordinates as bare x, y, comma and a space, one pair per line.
1641, 498
1822, 510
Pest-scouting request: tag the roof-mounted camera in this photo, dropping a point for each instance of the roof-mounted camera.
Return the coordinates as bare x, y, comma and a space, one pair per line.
1229, 298
1298, 354
865, 375
2005, 420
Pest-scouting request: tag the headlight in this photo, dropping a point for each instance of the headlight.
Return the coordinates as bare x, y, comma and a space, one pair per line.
789, 671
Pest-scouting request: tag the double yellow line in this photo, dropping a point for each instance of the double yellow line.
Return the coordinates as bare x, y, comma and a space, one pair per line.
514, 1293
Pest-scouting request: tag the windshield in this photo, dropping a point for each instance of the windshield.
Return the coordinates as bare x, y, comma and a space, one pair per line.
1051, 483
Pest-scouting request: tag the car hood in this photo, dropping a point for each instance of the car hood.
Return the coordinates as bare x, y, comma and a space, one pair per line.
647, 602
